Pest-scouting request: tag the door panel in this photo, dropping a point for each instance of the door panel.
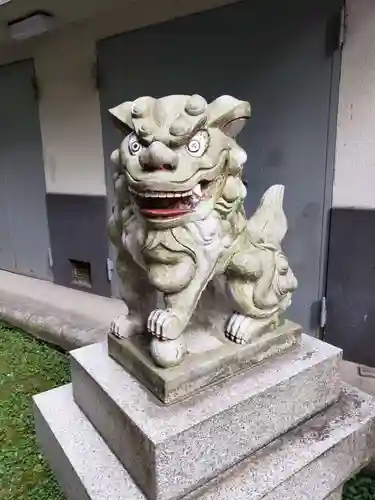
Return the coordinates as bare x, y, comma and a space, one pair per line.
350, 284
273, 54
23, 219
6, 245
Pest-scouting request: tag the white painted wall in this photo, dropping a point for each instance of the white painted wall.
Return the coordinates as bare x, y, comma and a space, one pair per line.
354, 184
69, 104
70, 117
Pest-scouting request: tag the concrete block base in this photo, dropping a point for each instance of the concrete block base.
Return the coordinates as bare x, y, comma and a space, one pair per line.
311, 462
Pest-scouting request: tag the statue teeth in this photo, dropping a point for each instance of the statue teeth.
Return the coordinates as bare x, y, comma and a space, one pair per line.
161, 194
197, 190
187, 193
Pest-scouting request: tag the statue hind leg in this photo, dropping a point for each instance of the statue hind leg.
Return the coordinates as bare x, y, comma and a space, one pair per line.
247, 322
260, 280
260, 283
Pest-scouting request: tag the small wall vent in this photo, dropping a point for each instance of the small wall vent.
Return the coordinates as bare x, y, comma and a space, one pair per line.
81, 273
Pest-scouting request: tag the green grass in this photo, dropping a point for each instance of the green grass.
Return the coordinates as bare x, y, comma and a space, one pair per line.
360, 488
27, 367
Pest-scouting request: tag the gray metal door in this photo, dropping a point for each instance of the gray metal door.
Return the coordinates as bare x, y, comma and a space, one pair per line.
280, 57
24, 239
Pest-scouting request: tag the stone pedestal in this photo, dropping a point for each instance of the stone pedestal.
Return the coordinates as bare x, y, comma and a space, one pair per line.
285, 429
210, 358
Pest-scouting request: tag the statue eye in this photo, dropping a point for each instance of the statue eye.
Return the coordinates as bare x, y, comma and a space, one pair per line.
198, 144
135, 147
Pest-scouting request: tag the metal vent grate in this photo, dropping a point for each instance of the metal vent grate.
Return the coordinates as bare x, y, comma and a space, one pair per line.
81, 273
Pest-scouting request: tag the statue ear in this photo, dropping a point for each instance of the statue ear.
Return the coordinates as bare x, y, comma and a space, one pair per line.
122, 117
228, 114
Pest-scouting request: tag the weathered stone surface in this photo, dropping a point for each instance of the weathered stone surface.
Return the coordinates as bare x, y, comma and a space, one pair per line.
170, 450
81, 461
50, 324
187, 254
212, 358
59, 315
336, 495
310, 462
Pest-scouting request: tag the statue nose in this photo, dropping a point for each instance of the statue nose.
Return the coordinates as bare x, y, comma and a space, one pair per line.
158, 157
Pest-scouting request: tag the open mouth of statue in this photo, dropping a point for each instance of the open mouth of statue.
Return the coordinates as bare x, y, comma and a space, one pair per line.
165, 204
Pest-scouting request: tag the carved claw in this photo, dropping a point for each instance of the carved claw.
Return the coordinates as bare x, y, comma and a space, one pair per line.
118, 327
164, 325
242, 329
237, 329
123, 326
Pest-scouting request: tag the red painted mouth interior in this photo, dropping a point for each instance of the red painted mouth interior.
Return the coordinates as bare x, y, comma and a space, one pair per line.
165, 207
164, 212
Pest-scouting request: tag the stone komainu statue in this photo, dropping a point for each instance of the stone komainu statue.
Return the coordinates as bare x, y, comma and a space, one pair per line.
187, 255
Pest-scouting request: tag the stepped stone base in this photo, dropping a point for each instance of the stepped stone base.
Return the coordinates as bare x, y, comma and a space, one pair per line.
211, 359
286, 429
171, 450
310, 462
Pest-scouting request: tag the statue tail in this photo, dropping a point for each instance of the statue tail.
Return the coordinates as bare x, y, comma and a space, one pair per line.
269, 225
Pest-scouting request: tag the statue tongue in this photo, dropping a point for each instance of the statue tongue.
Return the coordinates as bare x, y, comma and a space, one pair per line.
165, 212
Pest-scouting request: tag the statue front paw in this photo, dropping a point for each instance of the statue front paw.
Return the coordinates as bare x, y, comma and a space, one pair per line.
123, 326
164, 325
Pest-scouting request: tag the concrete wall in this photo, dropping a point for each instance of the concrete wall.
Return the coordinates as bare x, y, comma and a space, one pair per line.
354, 184
70, 117
70, 113
71, 131
69, 104
351, 259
